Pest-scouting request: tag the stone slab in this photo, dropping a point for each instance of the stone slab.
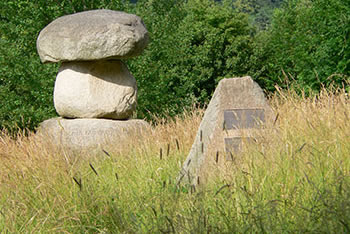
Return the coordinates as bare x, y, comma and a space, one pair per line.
90, 133
236, 111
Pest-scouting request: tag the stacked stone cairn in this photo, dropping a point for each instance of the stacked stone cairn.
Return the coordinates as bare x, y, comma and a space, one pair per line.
95, 94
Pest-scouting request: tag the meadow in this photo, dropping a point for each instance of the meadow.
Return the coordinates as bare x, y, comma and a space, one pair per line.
299, 182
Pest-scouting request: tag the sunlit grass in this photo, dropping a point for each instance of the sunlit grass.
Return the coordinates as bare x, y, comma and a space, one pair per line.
295, 179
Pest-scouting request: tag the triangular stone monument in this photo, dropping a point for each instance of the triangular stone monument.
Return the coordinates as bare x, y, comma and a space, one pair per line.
236, 111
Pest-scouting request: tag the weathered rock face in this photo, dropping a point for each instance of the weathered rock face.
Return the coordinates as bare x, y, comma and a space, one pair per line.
90, 133
237, 110
92, 35
101, 89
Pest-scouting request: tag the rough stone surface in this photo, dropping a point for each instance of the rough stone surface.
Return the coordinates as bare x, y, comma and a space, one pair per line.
92, 35
237, 109
103, 89
90, 133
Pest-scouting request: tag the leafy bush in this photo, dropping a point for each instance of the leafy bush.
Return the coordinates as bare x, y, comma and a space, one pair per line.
194, 45
306, 43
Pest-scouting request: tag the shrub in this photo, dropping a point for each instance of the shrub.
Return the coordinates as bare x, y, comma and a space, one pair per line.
307, 43
193, 45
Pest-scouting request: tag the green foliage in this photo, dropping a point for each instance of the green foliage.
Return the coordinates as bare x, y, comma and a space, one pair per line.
260, 11
306, 44
24, 83
193, 45
151, 68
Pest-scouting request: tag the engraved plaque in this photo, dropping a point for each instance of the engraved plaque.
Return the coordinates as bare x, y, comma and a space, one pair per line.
243, 118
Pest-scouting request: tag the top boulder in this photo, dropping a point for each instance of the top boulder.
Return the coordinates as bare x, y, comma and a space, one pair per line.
92, 35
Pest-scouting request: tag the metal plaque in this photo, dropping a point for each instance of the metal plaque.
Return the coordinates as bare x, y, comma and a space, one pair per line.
243, 118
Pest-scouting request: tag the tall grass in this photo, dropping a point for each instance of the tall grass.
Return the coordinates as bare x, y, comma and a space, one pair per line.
294, 179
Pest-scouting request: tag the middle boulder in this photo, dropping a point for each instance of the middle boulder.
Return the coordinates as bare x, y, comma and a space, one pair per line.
96, 89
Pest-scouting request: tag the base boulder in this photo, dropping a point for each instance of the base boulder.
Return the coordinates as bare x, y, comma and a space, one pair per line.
91, 133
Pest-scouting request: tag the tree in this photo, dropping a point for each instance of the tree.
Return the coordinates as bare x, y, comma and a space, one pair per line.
193, 45
308, 43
